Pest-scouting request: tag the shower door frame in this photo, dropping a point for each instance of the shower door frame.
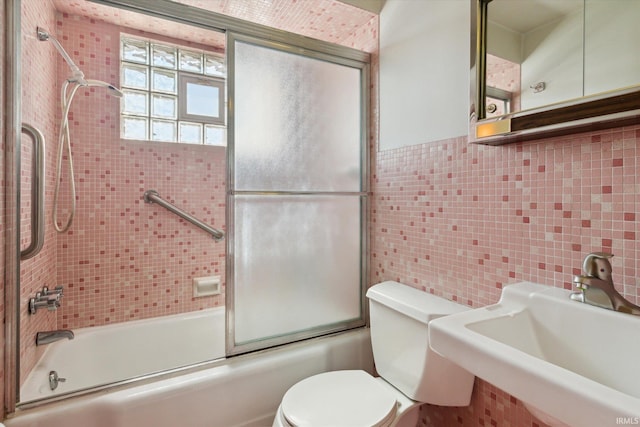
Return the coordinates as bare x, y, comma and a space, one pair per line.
12, 108
289, 47
165, 9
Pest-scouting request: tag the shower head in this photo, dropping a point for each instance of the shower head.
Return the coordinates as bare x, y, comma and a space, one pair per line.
111, 89
77, 76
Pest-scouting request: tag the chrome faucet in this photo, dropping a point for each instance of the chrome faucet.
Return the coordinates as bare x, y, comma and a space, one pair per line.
48, 337
596, 287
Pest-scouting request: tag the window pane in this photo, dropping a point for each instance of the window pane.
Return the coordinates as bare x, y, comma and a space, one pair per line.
164, 56
202, 100
163, 106
134, 128
190, 133
191, 61
214, 66
214, 135
159, 105
164, 81
135, 50
163, 130
135, 76
135, 103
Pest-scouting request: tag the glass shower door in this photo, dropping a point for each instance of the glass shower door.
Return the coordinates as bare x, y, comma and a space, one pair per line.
297, 196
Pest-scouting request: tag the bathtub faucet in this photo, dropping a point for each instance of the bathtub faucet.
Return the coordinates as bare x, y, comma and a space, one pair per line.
48, 337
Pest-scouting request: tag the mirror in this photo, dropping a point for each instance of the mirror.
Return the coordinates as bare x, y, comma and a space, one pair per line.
545, 68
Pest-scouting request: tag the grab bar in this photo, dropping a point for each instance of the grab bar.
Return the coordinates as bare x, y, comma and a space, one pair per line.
37, 192
152, 196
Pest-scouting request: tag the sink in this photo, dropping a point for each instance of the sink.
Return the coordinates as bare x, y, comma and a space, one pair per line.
572, 364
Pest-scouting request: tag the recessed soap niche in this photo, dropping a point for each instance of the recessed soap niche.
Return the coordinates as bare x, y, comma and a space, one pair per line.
206, 286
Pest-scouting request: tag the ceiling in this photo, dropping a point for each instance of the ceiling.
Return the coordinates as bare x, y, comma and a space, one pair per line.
523, 16
374, 6
328, 20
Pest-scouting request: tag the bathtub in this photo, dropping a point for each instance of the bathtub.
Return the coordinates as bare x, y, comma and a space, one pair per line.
239, 391
108, 354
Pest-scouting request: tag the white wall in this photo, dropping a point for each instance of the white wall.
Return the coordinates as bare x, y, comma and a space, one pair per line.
504, 43
553, 54
612, 58
424, 71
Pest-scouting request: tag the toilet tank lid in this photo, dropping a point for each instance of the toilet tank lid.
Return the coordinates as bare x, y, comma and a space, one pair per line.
414, 303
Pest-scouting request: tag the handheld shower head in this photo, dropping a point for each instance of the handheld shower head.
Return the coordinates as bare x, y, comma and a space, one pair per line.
68, 90
112, 90
77, 76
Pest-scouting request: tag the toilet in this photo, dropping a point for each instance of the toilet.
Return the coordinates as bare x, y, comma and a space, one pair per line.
410, 372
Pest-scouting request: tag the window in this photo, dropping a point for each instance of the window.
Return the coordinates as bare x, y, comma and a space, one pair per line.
171, 93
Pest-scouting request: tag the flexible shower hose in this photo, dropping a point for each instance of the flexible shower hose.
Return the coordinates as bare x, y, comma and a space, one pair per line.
64, 142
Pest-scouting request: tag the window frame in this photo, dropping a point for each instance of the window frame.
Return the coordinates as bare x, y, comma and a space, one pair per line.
214, 77
184, 78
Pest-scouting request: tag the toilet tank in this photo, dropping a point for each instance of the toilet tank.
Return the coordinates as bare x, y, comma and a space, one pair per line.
400, 316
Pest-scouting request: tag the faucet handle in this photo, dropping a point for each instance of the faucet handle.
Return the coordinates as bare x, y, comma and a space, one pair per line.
58, 290
597, 264
53, 303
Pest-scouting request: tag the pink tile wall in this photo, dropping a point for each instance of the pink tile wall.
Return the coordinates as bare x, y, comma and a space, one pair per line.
124, 259
505, 75
328, 20
39, 107
462, 221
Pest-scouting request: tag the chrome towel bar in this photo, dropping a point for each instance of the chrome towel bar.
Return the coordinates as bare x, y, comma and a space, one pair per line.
152, 196
37, 192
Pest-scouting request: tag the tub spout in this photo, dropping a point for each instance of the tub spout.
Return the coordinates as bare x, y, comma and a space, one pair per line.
48, 337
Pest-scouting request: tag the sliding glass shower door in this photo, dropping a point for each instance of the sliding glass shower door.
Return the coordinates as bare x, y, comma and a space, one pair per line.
297, 194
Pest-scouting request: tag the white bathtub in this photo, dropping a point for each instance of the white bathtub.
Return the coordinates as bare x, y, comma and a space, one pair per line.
108, 354
240, 391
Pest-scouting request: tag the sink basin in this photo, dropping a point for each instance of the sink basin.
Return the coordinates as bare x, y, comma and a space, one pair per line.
570, 363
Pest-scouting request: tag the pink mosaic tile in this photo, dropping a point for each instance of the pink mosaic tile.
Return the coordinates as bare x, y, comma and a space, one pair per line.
124, 259
39, 106
462, 221
505, 75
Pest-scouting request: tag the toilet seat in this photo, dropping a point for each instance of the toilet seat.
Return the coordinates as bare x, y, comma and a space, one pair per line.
339, 398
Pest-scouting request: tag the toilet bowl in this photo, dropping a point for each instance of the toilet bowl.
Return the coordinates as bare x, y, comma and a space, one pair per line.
345, 398
410, 372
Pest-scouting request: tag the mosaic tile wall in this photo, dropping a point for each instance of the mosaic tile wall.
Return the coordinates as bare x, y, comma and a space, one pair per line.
124, 259
462, 221
505, 75
39, 108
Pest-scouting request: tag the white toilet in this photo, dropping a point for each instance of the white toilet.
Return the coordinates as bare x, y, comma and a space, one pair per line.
410, 372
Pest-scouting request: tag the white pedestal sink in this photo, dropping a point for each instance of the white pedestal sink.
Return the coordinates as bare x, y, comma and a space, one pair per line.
571, 363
